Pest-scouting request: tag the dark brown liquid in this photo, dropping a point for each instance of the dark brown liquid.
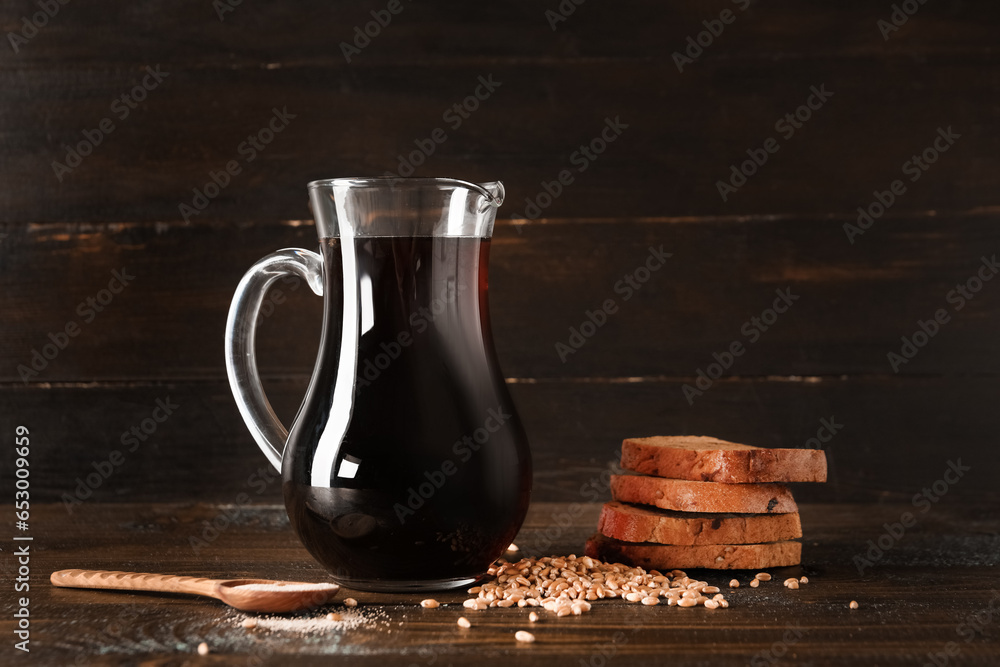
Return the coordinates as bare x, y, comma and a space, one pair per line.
443, 473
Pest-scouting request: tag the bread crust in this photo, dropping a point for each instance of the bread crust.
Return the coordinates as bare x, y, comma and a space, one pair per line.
689, 496
638, 524
701, 458
709, 556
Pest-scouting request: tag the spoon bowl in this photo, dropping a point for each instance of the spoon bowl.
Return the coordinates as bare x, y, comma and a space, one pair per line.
274, 596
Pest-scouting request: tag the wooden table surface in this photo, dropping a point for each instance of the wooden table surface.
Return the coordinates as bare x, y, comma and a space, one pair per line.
937, 584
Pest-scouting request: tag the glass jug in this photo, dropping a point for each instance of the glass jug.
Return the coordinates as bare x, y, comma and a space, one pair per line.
406, 467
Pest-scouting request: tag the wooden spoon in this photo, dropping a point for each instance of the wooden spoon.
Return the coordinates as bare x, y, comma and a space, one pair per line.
244, 594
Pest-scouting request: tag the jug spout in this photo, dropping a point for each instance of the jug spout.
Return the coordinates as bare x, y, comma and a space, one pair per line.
493, 194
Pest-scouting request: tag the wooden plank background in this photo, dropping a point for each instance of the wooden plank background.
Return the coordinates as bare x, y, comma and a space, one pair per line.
60, 240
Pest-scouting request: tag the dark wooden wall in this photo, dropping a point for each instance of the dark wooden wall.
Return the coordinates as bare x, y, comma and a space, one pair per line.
655, 185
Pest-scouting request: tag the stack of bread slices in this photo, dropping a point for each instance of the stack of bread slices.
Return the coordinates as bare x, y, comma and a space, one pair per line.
700, 502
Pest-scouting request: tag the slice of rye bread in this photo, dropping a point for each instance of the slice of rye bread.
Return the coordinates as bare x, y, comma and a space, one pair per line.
639, 524
711, 556
707, 459
682, 495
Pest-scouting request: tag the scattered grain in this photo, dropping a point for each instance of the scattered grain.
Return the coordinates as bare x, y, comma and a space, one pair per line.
793, 584
430, 603
533, 617
854, 604
463, 622
650, 601
249, 623
804, 580
334, 616
762, 576
567, 585
734, 584
686, 602
203, 649
350, 602
754, 583
524, 636
711, 604
513, 547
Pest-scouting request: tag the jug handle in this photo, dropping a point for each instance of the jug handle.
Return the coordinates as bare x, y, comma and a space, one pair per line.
241, 333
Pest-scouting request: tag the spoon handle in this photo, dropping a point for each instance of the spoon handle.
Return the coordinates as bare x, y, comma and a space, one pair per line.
135, 581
